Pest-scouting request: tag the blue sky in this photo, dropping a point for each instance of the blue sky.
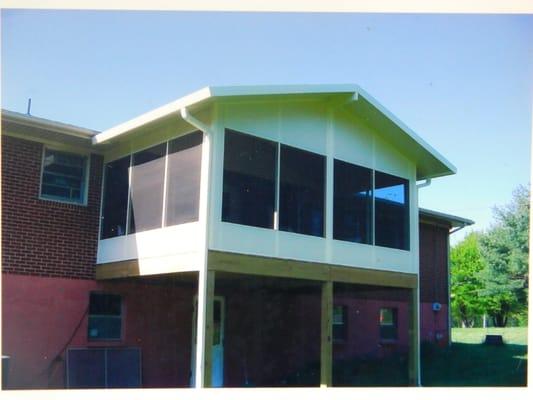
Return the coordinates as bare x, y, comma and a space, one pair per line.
462, 82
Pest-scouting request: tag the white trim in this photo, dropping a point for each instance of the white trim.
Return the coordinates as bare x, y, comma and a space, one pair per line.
235, 91
151, 116
130, 172
86, 174
165, 187
36, 122
60, 145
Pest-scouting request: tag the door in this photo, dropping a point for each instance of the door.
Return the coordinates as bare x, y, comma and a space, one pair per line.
217, 372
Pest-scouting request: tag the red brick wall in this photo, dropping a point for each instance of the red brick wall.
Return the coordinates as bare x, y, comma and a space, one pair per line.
42, 237
42, 317
433, 283
433, 264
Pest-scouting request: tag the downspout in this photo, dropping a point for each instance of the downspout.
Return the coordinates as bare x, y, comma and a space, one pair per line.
419, 362
205, 173
424, 184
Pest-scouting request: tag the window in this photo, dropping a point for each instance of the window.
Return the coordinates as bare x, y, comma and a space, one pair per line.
64, 176
146, 195
352, 203
388, 323
392, 211
183, 179
340, 326
302, 191
249, 189
105, 317
115, 203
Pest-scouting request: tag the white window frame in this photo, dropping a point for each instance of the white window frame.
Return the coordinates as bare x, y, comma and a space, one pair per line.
113, 317
87, 168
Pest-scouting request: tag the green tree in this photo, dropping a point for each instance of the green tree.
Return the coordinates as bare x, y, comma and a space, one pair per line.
466, 285
505, 249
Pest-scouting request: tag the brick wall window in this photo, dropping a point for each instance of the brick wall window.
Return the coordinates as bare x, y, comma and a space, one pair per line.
105, 317
64, 176
388, 323
340, 326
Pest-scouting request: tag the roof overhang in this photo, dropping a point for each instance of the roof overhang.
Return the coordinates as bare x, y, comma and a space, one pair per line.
429, 162
452, 221
44, 129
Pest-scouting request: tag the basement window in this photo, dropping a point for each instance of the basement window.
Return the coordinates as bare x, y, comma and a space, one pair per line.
105, 317
64, 176
388, 324
340, 331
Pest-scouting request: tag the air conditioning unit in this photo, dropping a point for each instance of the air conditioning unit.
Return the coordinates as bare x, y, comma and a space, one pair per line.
436, 306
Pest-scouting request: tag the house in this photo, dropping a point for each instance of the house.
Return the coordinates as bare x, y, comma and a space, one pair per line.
239, 236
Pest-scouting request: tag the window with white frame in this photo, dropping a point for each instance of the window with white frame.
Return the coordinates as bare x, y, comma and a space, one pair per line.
64, 176
105, 316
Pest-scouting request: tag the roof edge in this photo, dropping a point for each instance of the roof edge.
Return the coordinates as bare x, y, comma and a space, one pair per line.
454, 220
153, 115
37, 122
426, 146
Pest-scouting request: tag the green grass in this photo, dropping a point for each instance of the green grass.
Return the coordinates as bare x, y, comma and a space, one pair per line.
477, 335
469, 362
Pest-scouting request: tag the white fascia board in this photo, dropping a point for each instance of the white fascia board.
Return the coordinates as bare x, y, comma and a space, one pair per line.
42, 123
262, 90
154, 115
454, 220
216, 91
408, 131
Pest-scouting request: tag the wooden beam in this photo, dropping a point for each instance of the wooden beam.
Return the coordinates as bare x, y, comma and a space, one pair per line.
414, 340
266, 266
366, 276
119, 269
326, 345
282, 268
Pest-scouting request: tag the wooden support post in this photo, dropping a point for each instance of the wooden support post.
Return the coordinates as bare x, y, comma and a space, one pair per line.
414, 340
204, 338
326, 345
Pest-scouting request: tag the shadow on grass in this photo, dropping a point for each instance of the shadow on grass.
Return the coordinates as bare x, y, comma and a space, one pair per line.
356, 372
464, 364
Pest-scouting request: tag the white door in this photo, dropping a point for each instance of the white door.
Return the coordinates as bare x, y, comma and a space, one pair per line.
217, 372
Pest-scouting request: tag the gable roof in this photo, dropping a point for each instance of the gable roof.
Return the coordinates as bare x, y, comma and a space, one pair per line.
429, 162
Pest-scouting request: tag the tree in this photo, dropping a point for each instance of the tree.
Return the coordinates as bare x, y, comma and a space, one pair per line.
505, 249
466, 265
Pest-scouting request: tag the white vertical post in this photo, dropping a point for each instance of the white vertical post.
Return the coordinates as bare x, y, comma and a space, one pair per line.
329, 195
205, 279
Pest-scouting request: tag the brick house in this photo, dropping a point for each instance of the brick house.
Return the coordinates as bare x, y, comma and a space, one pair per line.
279, 225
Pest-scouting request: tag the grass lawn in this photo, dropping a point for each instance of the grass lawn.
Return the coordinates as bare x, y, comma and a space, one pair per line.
469, 362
